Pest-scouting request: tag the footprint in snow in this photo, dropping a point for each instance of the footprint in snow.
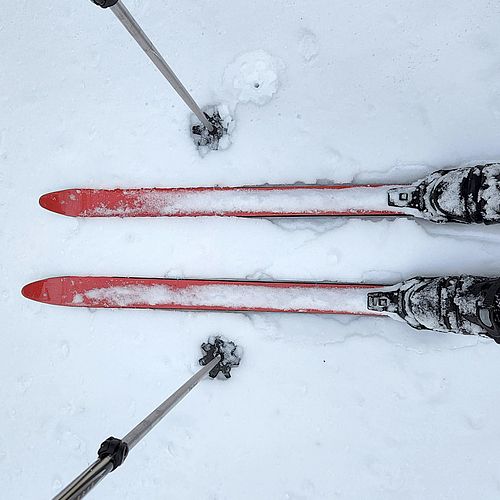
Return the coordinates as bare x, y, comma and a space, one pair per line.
62, 350
308, 45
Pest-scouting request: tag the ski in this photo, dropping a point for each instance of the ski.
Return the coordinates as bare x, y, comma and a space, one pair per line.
465, 195
460, 304
202, 295
257, 201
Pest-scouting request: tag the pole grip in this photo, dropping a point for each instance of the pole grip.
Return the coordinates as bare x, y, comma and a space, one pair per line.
105, 3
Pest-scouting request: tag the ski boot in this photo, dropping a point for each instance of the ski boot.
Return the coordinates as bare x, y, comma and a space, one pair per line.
469, 305
465, 195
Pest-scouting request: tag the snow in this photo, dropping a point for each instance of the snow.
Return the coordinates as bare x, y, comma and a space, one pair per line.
321, 299
321, 407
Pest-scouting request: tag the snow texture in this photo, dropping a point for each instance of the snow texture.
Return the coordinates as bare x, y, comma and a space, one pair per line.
309, 46
231, 296
322, 407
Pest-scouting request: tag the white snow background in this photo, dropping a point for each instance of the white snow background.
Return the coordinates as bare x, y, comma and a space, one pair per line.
321, 407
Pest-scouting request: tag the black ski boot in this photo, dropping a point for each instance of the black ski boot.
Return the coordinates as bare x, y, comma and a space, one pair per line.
465, 195
469, 305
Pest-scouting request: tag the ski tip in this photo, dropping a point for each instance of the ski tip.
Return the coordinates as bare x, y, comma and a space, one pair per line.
61, 202
47, 291
33, 291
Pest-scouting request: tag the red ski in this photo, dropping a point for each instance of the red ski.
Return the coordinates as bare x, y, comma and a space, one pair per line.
466, 195
460, 304
202, 295
260, 201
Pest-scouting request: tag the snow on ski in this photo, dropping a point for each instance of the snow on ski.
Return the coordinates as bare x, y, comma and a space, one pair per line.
216, 295
259, 201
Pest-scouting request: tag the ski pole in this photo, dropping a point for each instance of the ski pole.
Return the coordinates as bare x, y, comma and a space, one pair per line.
131, 25
220, 356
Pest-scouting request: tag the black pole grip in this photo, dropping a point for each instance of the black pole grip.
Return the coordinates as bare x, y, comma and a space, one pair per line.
105, 3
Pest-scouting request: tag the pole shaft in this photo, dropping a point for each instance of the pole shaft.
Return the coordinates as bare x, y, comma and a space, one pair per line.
89, 478
131, 25
86, 481
140, 430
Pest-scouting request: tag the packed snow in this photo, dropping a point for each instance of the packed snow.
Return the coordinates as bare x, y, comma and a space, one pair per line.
322, 407
325, 299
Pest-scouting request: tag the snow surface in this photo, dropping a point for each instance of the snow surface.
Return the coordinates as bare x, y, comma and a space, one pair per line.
231, 296
321, 407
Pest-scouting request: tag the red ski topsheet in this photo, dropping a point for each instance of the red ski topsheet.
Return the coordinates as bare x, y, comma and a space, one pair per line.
260, 201
216, 295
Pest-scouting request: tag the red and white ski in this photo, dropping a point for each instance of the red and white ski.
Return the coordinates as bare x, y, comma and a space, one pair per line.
202, 295
460, 304
466, 195
259, 201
